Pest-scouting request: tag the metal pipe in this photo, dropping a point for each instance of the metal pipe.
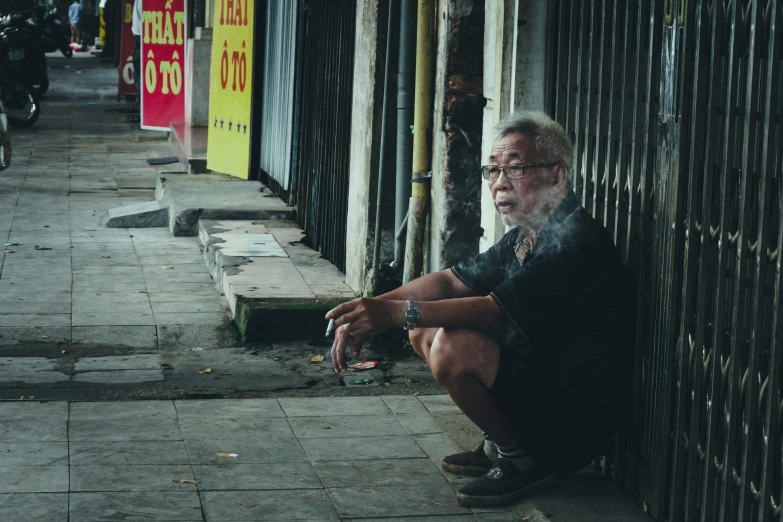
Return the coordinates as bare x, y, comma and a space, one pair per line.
404, 158
376, 256
422, 143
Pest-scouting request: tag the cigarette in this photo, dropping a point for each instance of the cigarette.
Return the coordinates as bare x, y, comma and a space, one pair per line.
329, 328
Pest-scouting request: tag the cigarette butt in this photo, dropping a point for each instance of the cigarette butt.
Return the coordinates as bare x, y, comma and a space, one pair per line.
329, 327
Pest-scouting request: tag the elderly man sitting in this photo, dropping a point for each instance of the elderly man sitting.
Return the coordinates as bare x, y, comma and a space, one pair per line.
532, 338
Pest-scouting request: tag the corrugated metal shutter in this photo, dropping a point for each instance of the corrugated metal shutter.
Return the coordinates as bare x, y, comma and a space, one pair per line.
327, 83
278, 91
676, 111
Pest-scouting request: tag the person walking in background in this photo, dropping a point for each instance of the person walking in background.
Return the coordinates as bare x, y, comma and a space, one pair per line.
75, 18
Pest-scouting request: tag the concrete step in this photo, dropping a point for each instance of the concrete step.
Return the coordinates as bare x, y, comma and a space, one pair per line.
216, 197
140, 215
277, 288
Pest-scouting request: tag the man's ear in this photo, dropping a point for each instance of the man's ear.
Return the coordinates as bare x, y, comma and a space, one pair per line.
559, 177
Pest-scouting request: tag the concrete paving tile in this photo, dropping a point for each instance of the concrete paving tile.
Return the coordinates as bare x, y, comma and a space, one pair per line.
199, 318
143, 361
377, 501
310, 505
207, 428
436, 446
116, 335
24, 306
114, 272
403, 404
438, 403
280, 475
113, 237
130, 303
418, 423
345, 426
108, 248
32, 274
214, 304
13, 335
123, 421
119, 376
182, 258
249, 450
187, 336
34, 507
159, 287
33, 421
362, 448
34, 479
227, 409
89, 284
142, 506
36, 293
207, 294
104, 319
150, 477
53, 242
31, 370
126, 453
35, 320
333, 406
180, 274
20, 454
95, 259
390, 472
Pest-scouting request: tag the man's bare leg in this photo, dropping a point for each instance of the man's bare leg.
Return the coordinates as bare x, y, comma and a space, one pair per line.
465, 363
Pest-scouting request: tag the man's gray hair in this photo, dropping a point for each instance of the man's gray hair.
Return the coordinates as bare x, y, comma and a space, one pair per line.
552, 142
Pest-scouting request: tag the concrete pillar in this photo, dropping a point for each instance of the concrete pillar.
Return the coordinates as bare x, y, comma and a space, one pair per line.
455, 226
515, 57
365, 143
197, 84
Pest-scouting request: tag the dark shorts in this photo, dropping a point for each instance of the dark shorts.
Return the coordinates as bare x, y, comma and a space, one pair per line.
559, 426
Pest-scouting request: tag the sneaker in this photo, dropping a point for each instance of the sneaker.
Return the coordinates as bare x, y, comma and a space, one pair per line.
504, 483
471, 463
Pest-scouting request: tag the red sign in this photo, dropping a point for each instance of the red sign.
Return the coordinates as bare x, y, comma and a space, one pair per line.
125, 85
163, 56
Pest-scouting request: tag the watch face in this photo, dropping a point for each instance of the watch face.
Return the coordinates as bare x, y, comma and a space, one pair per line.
412, 316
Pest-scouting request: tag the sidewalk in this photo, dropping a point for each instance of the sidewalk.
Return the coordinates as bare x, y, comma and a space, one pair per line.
296, 459
136, 287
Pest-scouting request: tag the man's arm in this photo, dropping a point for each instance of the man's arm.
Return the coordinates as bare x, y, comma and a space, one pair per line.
431, 287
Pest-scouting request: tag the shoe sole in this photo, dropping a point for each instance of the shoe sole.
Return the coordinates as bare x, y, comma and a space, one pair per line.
470, 471
499, 500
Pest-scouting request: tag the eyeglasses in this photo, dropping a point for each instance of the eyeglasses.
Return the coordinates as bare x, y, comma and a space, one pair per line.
491, 172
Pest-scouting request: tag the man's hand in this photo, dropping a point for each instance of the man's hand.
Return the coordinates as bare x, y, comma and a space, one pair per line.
341, 340
359, 318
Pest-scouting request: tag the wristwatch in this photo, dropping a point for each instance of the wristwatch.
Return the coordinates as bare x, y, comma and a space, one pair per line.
412, 316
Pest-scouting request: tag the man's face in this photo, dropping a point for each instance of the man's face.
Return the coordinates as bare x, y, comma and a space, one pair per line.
525, 202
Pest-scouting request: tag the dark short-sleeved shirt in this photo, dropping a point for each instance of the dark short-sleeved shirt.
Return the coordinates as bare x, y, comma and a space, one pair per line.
567, 303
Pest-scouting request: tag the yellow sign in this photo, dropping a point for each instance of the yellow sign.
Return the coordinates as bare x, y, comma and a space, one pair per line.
228, 145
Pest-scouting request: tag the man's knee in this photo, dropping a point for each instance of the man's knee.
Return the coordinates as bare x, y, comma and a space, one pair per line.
456, 353
419, 341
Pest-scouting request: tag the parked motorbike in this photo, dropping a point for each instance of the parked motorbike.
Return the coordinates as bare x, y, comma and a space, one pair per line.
20, 104
24, 59
54, 35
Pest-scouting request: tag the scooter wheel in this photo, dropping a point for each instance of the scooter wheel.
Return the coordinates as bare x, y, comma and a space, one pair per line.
21, 106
